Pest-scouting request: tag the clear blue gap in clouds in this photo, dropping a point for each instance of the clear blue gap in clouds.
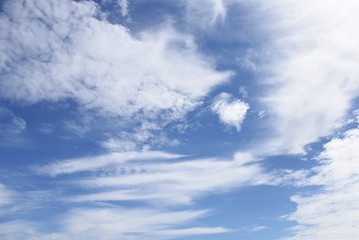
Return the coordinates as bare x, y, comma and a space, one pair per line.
77, 163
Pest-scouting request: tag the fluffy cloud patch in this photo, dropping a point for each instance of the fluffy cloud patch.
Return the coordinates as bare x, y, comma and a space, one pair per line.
332, 212
230, 111
55, 51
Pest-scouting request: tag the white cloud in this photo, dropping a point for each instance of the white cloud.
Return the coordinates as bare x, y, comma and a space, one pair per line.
112, 223
115, 223
53, 51
17, 229
154, 177
124, 7
332, 212
163, 181
98, 61
166, 182
6, 195
313, 61
258, 228
98, 162
12, 128
230, 111
205, 12
11, 123
105, 221
118, 177
119, 145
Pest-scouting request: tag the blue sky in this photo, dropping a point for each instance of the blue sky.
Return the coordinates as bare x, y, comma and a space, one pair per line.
211, 119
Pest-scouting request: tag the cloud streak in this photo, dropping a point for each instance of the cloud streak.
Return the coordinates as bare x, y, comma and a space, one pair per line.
161, 183
102, 161
142, 177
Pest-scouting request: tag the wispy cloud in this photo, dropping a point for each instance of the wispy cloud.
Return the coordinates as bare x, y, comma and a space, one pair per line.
112, 223
93, 221
130, 88
331, 212
313, 65
12, 128
141, 177
6, 195
124, 4
98, 162
205, 13
133, 224
166, 182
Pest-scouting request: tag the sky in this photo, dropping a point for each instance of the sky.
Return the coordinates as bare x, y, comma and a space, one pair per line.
159, 119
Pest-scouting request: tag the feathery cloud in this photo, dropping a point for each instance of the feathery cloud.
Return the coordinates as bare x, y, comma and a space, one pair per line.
331, 212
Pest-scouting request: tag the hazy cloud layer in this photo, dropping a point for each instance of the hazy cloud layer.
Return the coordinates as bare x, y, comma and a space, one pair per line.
97, 189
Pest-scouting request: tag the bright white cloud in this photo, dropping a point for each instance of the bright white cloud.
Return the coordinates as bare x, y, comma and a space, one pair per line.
51, 51
315, 77
332, 212
230, 111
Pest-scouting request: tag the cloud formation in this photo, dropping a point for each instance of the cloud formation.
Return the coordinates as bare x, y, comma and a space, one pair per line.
205, 12
55, 51
124, 5
139, 85
12, 128
313, 64
154, 177
231, 112
112, 223
6, 195
161, 188
332, 212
